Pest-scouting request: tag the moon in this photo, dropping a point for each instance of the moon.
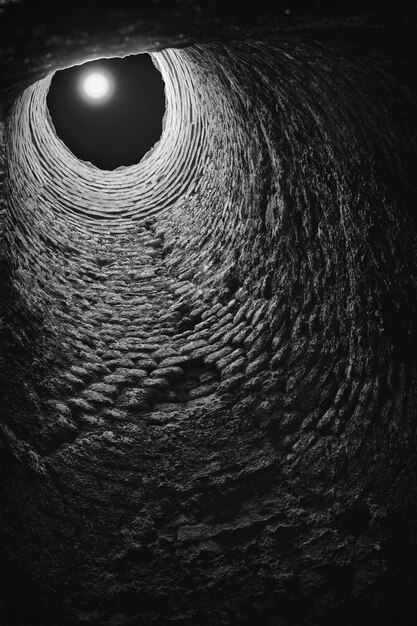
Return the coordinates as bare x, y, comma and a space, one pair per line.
96, 85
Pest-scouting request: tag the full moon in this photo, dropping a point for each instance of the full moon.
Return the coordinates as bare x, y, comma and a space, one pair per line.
96, 86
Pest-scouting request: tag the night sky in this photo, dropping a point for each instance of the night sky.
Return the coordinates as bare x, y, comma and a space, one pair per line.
119, 131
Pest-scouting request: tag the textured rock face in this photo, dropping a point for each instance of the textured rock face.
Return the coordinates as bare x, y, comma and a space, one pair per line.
209, 357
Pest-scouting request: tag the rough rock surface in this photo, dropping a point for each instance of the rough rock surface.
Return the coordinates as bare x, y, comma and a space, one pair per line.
209, 358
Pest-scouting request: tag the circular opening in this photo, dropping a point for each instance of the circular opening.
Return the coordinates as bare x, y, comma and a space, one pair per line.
108, 112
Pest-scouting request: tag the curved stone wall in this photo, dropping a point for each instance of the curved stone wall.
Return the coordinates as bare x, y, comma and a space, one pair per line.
210, 384
85, 194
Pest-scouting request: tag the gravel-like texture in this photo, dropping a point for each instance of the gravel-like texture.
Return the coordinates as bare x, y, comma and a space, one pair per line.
209, 358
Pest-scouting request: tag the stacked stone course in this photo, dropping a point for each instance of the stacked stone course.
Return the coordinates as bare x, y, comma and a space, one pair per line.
209, 410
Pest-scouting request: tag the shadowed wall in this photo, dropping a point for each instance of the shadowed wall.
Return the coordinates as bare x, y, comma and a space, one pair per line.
209, 368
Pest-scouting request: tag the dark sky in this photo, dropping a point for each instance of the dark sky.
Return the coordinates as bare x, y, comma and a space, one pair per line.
119, 131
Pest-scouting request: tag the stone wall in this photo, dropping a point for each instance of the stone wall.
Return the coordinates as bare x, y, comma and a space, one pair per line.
209, 369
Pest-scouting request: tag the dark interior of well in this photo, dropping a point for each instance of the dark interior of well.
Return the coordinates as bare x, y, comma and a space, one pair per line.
209, 355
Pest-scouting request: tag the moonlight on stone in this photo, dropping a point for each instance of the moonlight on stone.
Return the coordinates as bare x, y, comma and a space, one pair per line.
208, 313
